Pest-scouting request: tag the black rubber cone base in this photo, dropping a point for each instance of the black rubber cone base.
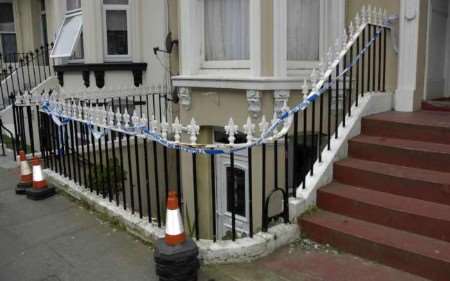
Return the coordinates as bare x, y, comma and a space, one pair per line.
40, 194
22, 188
176, 263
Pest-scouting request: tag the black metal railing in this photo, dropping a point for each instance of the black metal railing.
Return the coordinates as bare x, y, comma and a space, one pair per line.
362, 69
20, 72
137, 173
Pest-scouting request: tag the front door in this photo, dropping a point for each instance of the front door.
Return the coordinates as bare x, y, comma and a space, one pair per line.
438, 50
224, 192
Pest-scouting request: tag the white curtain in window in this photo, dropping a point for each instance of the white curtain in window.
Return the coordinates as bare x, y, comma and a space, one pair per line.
226, 25
303, 30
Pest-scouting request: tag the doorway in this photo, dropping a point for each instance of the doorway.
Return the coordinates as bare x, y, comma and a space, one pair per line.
437, 87
232, 181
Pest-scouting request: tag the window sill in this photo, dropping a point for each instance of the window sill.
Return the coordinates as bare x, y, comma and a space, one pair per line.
241, 82
99, 70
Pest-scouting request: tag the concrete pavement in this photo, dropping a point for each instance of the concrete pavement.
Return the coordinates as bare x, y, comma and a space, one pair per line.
59, 240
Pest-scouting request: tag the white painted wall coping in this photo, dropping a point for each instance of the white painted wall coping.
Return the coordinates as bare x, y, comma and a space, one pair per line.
243, 249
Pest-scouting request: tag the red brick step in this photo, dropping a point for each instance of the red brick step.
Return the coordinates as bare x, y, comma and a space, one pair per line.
429, 126
410, 252
395, 211
406, 181
424, 155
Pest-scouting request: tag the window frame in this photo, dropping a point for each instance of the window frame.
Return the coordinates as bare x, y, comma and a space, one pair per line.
73, 11
69, 13
293, 65
116, 7
78, 35
222, 64
191, 48
332, 22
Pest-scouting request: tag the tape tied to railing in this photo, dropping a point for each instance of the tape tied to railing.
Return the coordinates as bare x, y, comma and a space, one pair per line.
267, 136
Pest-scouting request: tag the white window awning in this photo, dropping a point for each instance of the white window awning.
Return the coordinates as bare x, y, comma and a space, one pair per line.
67, 37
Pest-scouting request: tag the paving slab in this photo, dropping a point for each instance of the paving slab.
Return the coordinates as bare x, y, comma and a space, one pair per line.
59, 240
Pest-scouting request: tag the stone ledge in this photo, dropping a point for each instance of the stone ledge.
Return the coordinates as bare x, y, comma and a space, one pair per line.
242, 250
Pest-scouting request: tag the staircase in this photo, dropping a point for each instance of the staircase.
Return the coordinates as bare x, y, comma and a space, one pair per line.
390, 200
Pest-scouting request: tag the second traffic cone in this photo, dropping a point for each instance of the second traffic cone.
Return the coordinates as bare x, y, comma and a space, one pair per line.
26, 176
40, 189
174, 224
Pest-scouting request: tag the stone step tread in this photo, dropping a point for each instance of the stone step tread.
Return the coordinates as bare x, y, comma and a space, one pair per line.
408, 173
386, 236
418, 118
389, 201
404, 144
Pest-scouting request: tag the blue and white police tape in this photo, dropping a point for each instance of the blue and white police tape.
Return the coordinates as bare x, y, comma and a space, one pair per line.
98, 131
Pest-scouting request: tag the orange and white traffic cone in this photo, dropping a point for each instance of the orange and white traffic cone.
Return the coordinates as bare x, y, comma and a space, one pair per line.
174, 224
176, 256
40, 188
26, 176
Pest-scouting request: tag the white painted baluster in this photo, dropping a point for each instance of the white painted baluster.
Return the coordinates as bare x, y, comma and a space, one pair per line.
322, 69
80, 110
118, 118
126, 118
274, 119
111, 122
380, 17
337, 49
91, 111
164, 128
193, 130
104, 116
374, 15
144, 121
263, 125
357, 21
305, 89
177, 128
154, 124
351, 31
135, 119
314, 77
369, 14
65, 111
86, 112
330, 57
363, 15
344, 39
385, 17
231, 130
26, 98
249, 129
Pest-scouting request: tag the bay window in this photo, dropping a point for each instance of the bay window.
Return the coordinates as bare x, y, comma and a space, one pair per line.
226, 37
116, 30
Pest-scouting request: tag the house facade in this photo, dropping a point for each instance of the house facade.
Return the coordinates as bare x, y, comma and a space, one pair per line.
242, 110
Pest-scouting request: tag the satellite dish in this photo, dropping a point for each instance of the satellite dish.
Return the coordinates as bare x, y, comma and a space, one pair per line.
169, 45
